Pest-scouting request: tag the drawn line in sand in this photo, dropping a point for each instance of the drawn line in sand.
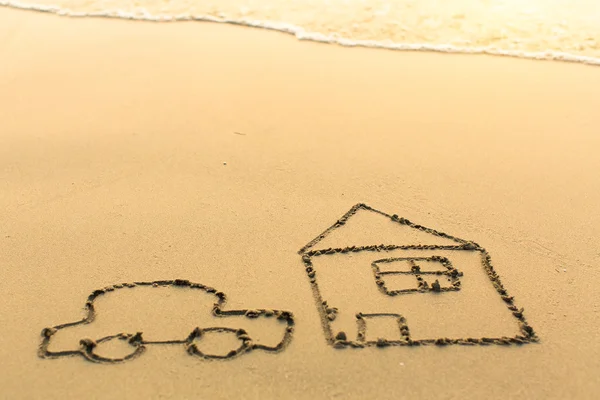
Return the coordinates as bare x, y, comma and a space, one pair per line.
442, 279
87, 347
423, 275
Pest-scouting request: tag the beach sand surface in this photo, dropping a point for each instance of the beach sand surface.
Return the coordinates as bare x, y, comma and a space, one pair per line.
135, 151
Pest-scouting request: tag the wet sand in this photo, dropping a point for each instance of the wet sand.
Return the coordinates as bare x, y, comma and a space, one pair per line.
140, 152
536, 29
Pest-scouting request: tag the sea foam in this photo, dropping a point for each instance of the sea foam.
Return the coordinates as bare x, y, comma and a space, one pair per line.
495, 27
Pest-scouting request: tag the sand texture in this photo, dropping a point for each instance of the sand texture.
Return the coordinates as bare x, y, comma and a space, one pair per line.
197, 210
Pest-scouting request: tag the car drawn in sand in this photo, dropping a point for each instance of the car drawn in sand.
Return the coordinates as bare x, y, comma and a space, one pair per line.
242, 330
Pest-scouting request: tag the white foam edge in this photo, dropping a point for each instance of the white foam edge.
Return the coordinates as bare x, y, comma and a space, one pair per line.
301, 34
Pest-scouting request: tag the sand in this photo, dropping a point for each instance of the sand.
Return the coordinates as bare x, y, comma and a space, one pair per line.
140, 152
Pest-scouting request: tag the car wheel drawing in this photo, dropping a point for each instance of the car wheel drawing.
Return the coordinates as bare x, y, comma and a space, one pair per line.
221, 323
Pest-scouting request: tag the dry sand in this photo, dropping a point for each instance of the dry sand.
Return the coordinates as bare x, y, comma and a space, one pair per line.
120, 162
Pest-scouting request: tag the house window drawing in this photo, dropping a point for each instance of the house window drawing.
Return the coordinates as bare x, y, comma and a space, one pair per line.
382, 280
446, 277
93, 336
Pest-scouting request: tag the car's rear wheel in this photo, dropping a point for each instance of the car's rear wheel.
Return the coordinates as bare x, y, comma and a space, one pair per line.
218, 343
113, 349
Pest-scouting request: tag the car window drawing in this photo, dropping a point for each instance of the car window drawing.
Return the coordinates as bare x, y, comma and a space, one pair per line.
382, 280
237, 325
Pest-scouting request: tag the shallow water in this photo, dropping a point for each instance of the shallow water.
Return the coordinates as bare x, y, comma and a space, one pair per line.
544, 29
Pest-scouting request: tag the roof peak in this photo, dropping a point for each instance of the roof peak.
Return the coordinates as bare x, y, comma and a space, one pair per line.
350, 216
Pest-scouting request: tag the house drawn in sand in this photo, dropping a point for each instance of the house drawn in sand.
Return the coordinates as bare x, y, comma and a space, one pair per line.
382, 280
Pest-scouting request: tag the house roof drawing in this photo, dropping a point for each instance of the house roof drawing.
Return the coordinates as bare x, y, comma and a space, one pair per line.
363, 226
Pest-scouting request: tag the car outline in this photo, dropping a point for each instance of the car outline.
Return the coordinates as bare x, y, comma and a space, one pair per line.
136, 340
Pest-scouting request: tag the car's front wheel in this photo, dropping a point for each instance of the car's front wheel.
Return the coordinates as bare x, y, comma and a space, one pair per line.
218, 343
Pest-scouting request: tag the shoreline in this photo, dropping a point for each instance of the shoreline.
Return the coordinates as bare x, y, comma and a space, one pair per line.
301, 34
